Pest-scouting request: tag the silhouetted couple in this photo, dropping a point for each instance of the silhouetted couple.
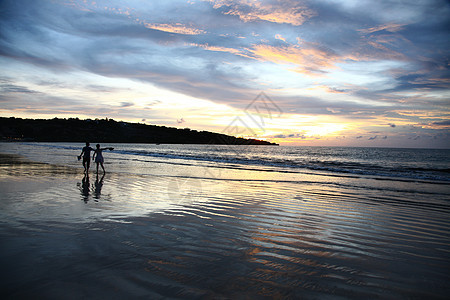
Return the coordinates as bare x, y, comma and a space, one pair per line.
97, 157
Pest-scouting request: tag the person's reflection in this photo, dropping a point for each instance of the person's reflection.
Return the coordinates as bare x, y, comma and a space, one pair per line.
98, 186
85, 188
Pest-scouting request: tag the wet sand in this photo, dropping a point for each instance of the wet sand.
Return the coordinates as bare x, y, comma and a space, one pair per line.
186, 237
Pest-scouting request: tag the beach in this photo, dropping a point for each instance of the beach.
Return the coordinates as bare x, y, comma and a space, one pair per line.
182, 222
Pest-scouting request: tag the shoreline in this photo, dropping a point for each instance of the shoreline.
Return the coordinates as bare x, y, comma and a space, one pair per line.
229, 157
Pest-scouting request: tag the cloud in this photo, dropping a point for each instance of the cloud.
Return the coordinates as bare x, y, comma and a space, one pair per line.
290, 136
354, 62
305, 59
219, 49
175, 28
17, 89
422, 80
280, 37
288, 12
383, 27
96, 88
126, 104
153, 102
333, 110
331, 90
444, 123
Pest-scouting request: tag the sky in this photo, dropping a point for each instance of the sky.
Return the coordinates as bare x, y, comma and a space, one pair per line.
314, 73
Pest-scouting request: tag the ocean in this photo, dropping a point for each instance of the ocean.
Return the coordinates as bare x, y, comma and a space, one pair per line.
223, 221
409, 164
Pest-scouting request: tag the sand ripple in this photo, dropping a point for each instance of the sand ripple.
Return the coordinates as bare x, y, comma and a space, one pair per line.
185, 237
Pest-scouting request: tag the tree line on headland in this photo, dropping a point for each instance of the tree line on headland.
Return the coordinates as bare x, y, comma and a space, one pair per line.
110, 131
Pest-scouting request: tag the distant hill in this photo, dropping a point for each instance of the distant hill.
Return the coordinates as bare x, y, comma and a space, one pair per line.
109, 131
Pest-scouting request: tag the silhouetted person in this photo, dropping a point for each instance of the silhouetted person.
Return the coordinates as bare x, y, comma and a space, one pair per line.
86, 154
98, 156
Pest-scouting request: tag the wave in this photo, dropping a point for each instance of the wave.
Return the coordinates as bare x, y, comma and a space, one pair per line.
289, 165
341, 162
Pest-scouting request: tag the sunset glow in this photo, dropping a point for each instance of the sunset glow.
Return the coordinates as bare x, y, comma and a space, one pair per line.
337, 73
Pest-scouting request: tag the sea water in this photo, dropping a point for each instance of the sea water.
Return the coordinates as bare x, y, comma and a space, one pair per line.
431, 164
222, 221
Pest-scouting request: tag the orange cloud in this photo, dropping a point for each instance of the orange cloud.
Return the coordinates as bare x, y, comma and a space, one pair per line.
308, 60
248, 10
280, 37
219, 49
175, 28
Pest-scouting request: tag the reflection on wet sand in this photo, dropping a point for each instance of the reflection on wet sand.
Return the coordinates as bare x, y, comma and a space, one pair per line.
86, 188
98, 186
235, 237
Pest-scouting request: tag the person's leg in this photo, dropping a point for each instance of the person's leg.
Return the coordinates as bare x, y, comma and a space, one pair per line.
103, 167
97, 167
